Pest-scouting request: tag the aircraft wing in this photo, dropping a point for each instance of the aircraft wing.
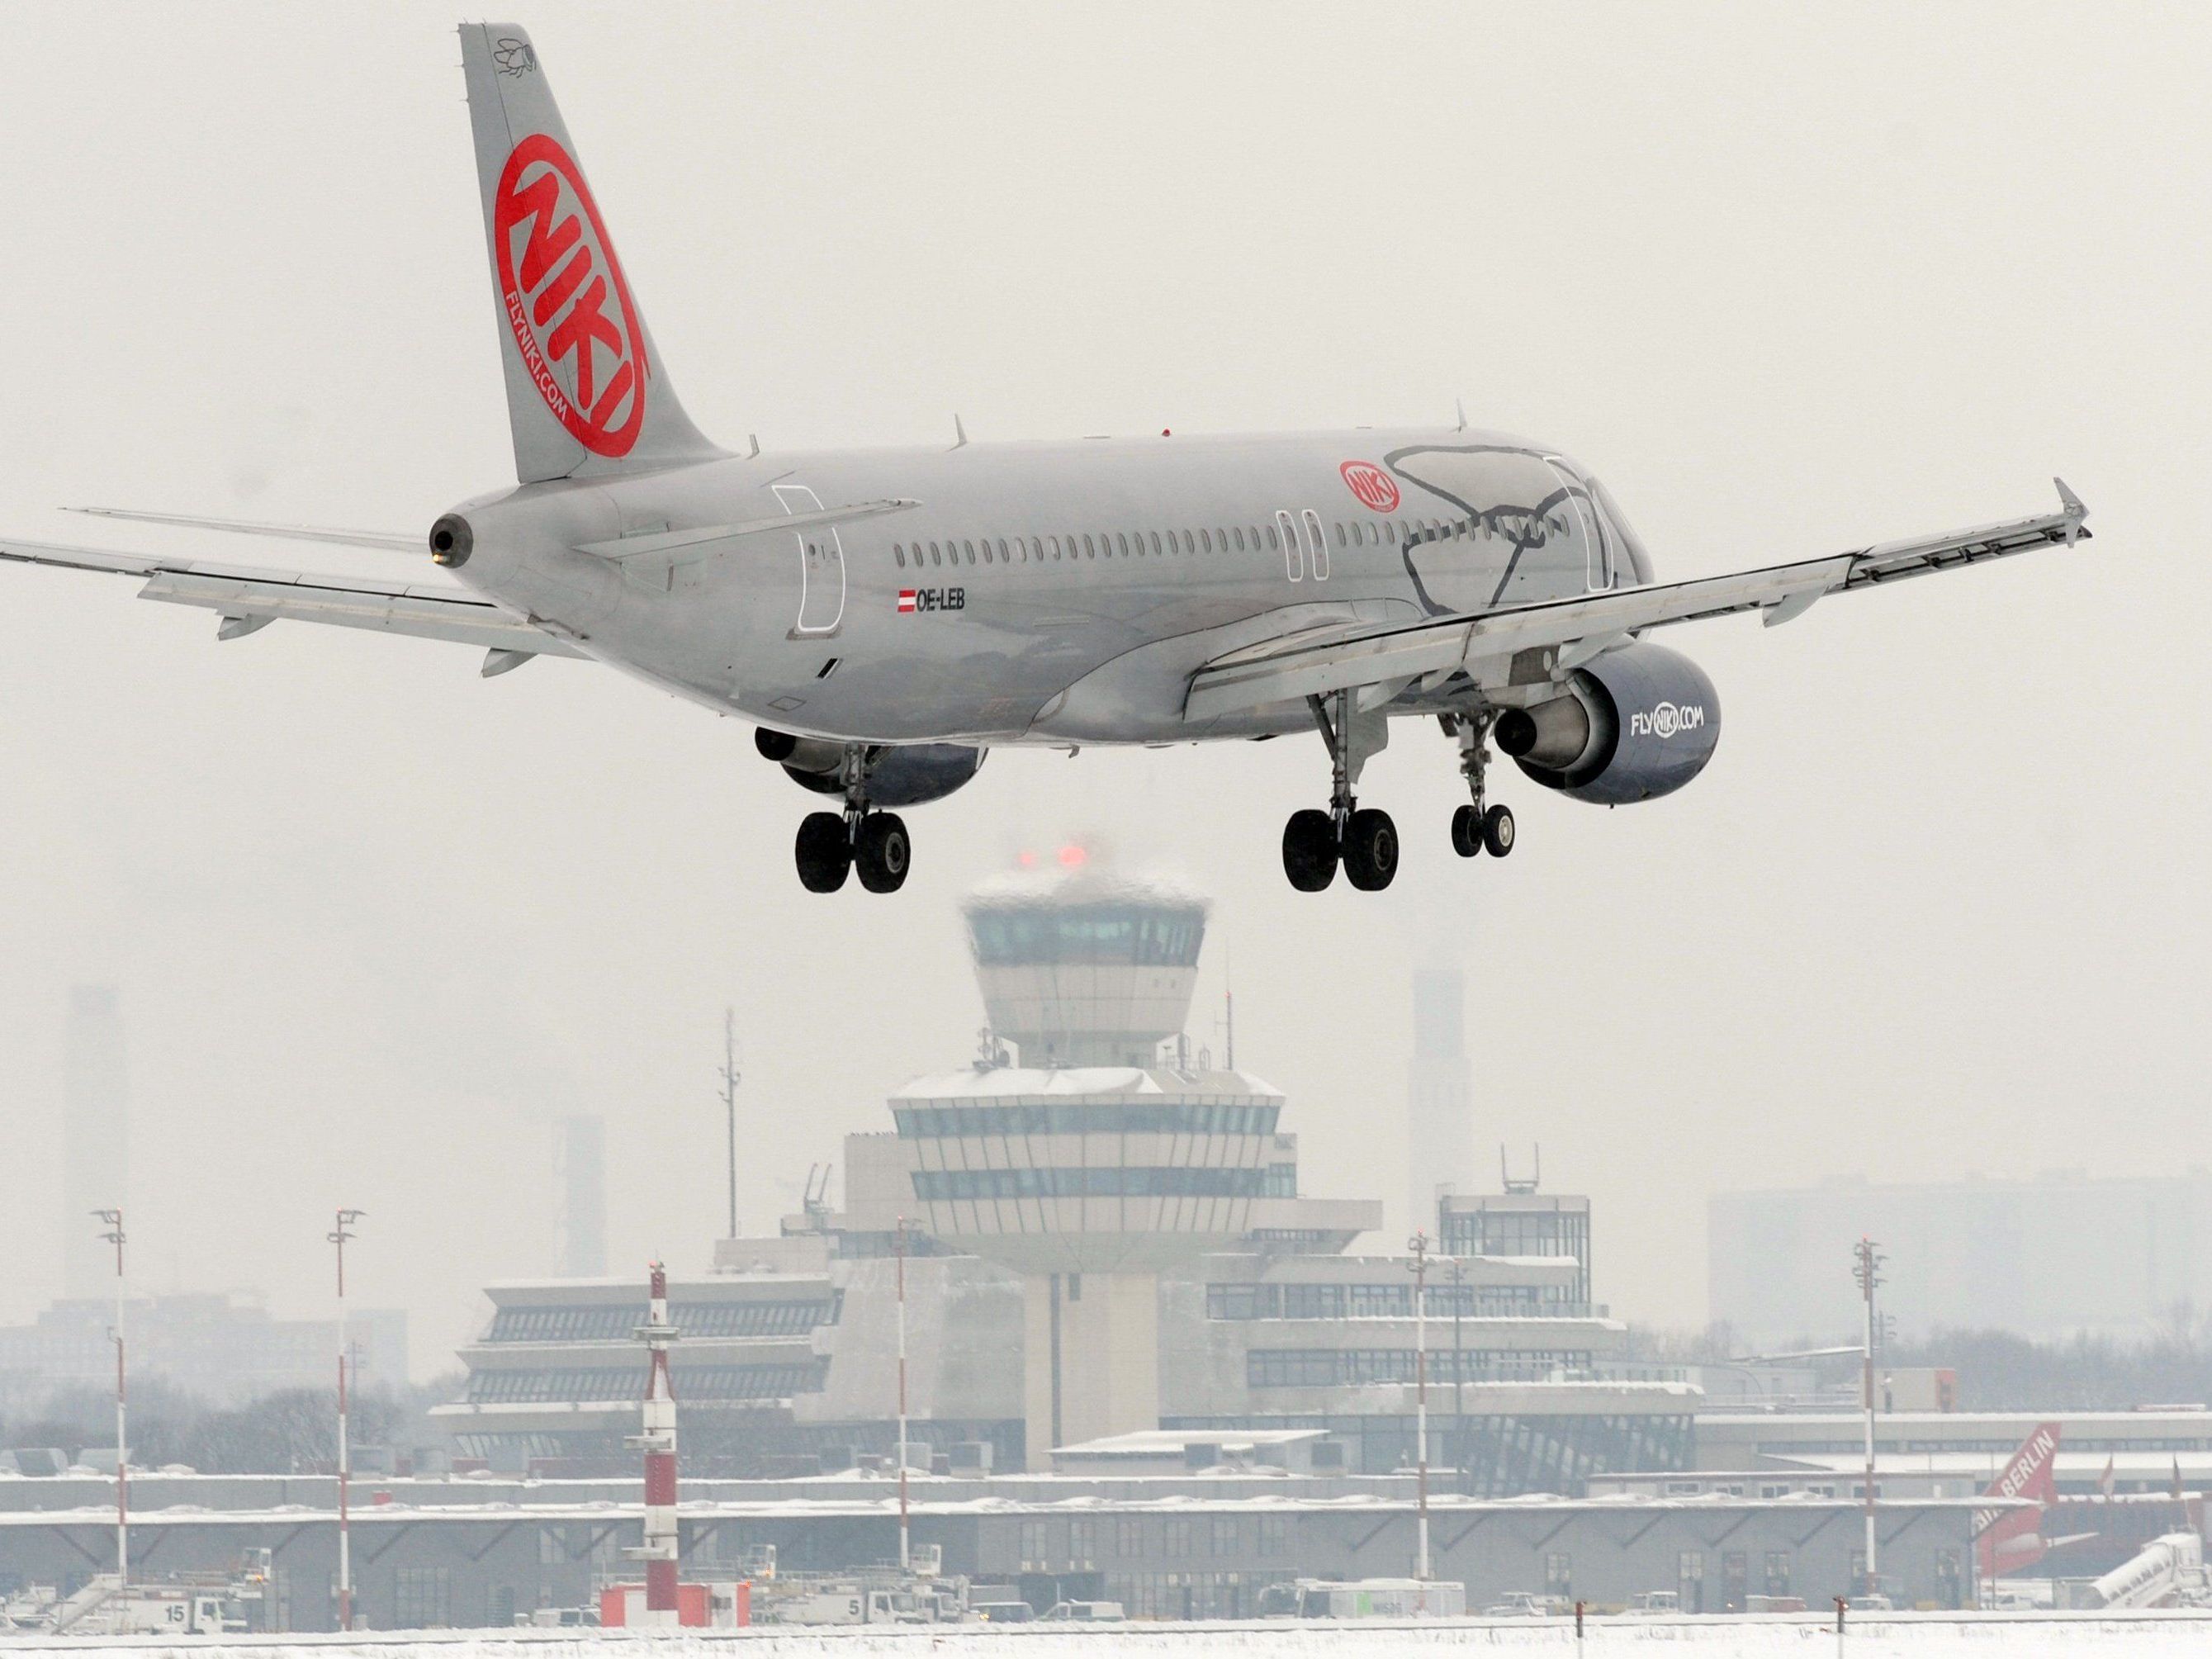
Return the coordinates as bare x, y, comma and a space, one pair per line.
1529, 643
247, 599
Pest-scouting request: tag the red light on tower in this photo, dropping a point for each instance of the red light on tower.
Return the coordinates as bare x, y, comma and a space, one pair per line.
1073, 856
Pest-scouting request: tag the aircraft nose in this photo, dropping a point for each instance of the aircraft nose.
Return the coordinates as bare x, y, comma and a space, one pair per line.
452, 541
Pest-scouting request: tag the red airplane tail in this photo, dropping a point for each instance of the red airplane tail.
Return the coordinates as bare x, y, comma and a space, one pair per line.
2011, 1540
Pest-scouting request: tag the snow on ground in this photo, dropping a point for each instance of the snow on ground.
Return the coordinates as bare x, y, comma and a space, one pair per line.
1999, 1637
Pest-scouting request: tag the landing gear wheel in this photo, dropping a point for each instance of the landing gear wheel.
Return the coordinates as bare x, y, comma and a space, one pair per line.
1370, 849
824, 853
1467, 832
882, 853
1309, 850
1498, 830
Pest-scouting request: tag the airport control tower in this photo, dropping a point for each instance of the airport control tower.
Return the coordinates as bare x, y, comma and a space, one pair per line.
1100, 1150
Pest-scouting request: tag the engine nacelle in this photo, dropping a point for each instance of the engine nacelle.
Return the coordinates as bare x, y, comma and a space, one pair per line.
1636, 723
906, 775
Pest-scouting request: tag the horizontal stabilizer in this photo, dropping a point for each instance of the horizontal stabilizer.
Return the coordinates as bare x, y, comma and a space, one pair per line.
290, 532
247, 598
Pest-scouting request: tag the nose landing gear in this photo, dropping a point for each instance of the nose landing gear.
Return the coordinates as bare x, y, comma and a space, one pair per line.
832, 845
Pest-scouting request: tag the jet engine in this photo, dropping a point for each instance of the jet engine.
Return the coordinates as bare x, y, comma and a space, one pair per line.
907, 775
1635, 724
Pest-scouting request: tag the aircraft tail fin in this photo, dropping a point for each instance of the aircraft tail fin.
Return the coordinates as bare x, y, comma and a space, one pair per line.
2011, 1540
586, 392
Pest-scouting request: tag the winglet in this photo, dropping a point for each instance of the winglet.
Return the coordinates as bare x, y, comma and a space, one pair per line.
959, 433
2075, 511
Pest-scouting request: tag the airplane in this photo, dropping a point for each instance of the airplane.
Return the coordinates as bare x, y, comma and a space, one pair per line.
884, 618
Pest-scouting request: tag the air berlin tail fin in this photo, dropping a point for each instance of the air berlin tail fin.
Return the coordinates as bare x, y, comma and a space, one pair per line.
585, 390
2012, 1539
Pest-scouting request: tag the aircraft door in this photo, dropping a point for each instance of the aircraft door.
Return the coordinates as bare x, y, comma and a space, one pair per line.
821, 564
1294, 563
1583, 526
1316, 544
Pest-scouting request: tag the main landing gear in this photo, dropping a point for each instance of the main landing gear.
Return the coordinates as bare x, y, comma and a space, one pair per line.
1363, 840
832, 845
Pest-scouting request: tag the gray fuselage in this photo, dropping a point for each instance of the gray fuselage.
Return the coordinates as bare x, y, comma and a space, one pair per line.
1041, 592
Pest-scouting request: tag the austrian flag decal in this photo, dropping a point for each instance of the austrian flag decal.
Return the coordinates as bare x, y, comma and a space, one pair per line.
907, 601
564, 296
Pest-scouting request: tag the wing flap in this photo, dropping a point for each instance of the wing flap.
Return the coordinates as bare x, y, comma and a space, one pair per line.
1490, 647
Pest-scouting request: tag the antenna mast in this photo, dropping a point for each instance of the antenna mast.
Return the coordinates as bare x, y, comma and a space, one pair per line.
729, 1075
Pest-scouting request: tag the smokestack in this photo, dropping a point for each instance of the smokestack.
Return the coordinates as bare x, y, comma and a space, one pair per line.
96, 1164
583, 1197
1440, 1114
659, 1553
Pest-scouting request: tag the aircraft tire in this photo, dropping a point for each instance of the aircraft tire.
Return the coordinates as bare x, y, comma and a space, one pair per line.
1467, 832
1370, 849
1309, 850
823, 854
1498, 830
884, 853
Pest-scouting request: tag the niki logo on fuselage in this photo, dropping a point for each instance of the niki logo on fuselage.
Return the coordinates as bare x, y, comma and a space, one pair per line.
913, 599
1666, 720
566, 300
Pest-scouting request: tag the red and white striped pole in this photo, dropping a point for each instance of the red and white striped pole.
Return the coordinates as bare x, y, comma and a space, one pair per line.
661, 1545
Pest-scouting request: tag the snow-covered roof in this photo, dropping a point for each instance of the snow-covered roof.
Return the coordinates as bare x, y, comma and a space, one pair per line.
1009, 1083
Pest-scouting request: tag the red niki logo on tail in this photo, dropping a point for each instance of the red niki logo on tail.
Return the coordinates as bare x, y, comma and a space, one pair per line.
566, 301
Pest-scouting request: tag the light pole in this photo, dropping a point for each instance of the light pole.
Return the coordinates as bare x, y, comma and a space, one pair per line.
1420, 1268
338, 1236
1868, 1272
906, 1555
113, 1221
1458, 1270
729, 1075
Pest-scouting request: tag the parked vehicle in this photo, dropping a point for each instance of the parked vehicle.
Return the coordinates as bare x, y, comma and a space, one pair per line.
1101, 1613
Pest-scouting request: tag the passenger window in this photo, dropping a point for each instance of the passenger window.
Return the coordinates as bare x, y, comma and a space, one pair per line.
933, 557
1088, 552
1274, 542
898, 553
970, 546
1156, 543
1123, 542
1205, 541
987, 550
1055, 546
1339, 527
1187, 546
1221, 540
1237, 534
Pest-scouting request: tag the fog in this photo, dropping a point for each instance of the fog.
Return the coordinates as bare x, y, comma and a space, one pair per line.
1789, 282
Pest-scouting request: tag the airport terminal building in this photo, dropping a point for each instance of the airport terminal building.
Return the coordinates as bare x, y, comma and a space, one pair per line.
1105, 1232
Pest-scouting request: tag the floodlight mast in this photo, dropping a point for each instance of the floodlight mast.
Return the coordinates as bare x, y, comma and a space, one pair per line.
905, 1550
338, 1236
113, 1221
1868, 1272
1420, 1268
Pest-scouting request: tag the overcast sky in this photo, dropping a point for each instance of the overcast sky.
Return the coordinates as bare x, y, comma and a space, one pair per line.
1790, 280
